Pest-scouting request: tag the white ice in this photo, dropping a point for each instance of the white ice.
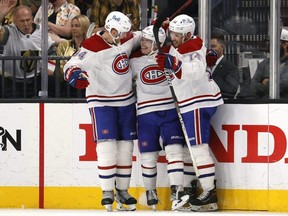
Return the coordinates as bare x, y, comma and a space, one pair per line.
58, 212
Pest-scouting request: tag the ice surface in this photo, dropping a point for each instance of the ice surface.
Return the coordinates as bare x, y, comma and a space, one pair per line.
60, 212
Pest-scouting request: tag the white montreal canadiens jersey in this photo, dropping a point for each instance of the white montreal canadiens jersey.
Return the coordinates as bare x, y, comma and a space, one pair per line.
108, 69
194, 88
153, 93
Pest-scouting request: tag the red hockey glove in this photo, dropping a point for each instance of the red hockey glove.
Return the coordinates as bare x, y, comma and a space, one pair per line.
168, 61
78, 79
211, 57
165, 24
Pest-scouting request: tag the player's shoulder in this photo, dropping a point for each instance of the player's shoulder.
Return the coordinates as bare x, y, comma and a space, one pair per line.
136, 54
95, 43
192, 45
130, 36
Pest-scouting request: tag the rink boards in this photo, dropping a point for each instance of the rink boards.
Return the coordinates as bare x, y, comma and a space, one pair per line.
48, 158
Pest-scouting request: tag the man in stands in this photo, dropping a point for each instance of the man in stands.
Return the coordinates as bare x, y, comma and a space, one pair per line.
22, 38
260, 80
224, 73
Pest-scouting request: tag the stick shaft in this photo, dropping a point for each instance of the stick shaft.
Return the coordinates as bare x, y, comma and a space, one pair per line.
180, 9
182, 122
162, 16
156, 27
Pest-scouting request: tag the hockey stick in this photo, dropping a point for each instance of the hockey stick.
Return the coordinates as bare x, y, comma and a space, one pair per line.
175, 99
160, 19
167, 74
180, 9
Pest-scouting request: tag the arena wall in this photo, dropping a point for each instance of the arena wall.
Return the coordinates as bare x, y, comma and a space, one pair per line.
48, 158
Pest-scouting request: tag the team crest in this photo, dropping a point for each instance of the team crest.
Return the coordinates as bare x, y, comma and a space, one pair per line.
28, 65
152, 75
121, 64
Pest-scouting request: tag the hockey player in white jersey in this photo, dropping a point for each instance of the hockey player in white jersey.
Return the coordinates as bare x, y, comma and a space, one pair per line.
198, 97
102, 67
157, 118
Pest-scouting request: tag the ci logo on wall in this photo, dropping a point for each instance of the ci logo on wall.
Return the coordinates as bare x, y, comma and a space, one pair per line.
6, 137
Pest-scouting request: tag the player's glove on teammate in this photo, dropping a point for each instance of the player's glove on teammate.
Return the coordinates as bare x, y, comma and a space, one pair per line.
211, 57
165, 60
165, 24
78, 79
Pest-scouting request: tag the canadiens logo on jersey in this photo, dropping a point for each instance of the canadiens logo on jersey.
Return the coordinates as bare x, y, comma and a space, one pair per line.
152, 75
121, 64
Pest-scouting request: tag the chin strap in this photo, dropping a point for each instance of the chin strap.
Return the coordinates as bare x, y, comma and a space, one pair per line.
115, 39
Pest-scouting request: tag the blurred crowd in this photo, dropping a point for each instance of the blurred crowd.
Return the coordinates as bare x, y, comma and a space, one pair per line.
72, 21
69, 23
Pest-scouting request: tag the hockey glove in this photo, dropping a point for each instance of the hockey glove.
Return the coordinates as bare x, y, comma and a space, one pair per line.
211, 57
165, 24
78, 79
168, 61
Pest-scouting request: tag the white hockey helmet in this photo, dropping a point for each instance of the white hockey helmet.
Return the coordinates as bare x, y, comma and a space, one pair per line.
284, 35
148, 34
118, 21
182, 24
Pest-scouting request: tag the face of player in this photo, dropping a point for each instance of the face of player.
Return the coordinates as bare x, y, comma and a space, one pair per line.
217, 47
176, 38
146, 46
120, 35
76, 28
23, 20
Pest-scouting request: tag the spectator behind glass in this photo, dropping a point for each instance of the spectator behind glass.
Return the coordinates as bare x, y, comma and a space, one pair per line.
79, 26
101, 8
33, 4
84, 6
224, 73
260, 80
60, 14
23, 38
8, 19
